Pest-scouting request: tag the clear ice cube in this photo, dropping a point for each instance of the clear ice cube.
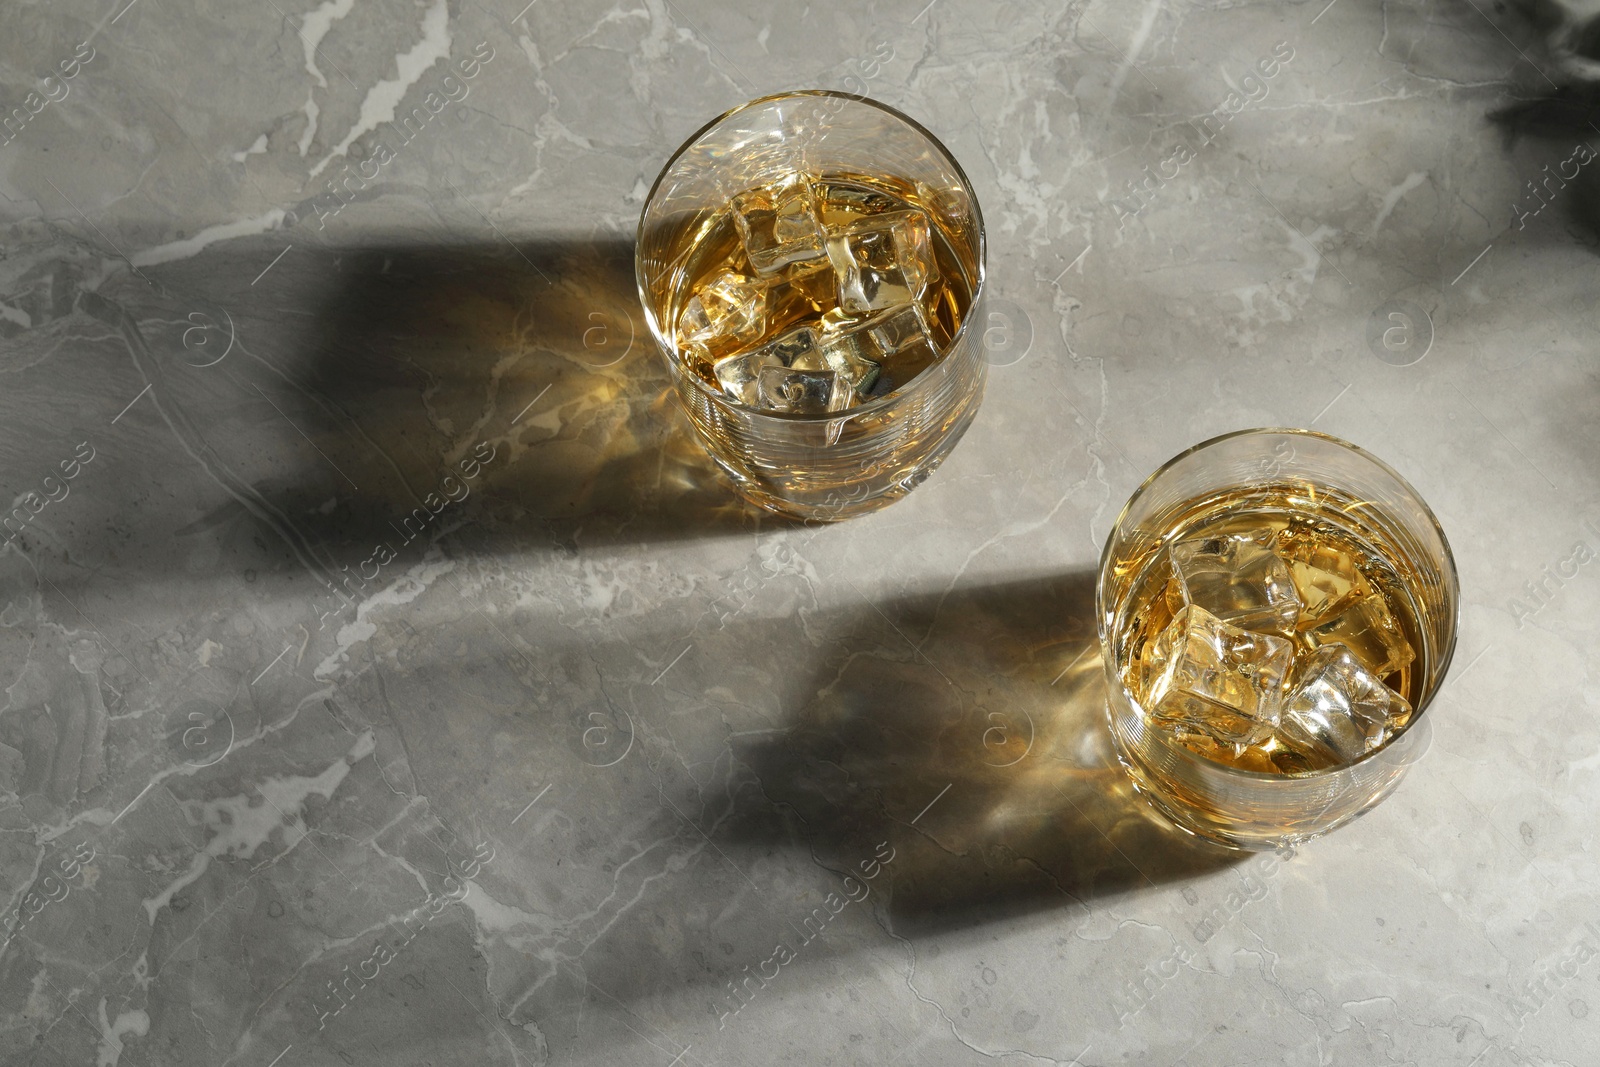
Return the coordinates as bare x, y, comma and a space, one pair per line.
800, 346
1217, 678
1325, 578
778, 223
790, 373
1337, 710
895, 343
857, 372
803, 289
1367, 628
738, 375
882, 261
803, 392
1237, 578
840, 204
727, 310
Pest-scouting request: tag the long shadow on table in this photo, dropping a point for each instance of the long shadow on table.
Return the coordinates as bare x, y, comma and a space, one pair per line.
983, 756
542, 357
337, 393
953, 742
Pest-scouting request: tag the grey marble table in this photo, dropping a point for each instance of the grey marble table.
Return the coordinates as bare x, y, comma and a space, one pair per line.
390, 680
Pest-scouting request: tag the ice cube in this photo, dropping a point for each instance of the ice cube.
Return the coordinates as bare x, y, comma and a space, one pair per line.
1325, 578
778, 223
1337, 710
882, 261
1203, 742
799, 347
841, 203
789, 373
1284, 755
895, 344
725, 311
1217, 678
802, 392
1369, 630
857, 372
1239, 579
738, 374
882, 337
802, 288
1185, 713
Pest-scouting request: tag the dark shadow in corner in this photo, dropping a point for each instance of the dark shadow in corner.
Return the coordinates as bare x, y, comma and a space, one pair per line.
984, 758
1569, 48
1569, 113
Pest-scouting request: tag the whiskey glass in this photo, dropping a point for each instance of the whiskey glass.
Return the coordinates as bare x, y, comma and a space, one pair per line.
813, 464
1262, 498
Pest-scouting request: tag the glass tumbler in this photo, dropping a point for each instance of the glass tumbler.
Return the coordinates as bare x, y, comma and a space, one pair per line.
819, 465
1278, 487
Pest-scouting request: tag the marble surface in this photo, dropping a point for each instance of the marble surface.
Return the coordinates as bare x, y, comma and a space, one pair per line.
389, 680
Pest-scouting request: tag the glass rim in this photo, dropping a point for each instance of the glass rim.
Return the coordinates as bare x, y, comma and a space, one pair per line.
1453, 583
872, 406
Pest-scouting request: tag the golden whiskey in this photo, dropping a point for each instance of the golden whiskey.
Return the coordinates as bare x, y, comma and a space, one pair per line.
817, 292
1269, 630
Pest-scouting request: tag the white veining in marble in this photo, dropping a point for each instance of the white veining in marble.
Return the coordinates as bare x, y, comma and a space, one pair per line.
381, 100
313, 28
